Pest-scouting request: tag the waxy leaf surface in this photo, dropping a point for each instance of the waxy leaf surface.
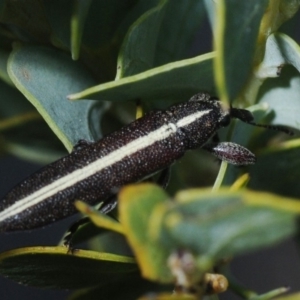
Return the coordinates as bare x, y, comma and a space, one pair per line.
46, 77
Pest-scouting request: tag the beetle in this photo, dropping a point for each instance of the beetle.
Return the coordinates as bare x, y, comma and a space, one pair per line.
93, 172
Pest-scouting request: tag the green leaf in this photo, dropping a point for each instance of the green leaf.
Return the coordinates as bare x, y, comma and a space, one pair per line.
98, 225
236, 21
136, 202
218, 225
211, 12
58, 14
105, 26
83, 233
124, 289
15, 16
161, 35
267, 173
170, 296
46, 77
108, 21
3, 67
138, 49
99, 219
25, 133
280, 50
53, 267
80, 11
12, 102
181, 22
166, 84
282, 96
271, 295
294, 296
111, 242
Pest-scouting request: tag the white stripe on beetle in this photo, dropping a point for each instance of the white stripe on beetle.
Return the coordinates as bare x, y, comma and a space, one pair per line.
96, 166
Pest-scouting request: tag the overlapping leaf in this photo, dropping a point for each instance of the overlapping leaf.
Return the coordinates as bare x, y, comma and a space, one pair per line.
136, 206
54, 267
46, 77
234, 58
168, 83
196, 221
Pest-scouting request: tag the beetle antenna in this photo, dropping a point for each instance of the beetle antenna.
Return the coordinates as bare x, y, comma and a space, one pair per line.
273, 127
247, 117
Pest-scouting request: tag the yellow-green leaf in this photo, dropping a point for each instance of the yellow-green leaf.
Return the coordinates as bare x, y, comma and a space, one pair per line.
136, 204
99, 219
54, 267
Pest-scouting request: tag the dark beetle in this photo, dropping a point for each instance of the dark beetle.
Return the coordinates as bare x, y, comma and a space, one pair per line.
93, 172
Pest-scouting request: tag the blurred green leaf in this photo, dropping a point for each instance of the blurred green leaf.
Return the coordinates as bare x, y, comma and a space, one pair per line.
294, 296
35, 149
236, 21
53, 267
46, 77
136, 203
3, 67
267, 173
271, 294
85, 232
12, 102
214, 226
24, 131
58, 14
26, 20
98, 218
108, 21
169, 296
111, 242
80, 11
125, 290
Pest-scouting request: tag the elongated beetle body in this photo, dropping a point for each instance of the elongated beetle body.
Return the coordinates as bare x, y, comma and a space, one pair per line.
93, 172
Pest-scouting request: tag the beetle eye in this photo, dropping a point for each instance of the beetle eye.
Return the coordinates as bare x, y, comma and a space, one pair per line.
225, 121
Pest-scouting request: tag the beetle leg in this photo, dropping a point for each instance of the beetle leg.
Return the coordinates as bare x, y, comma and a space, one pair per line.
164, 177
108, 206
